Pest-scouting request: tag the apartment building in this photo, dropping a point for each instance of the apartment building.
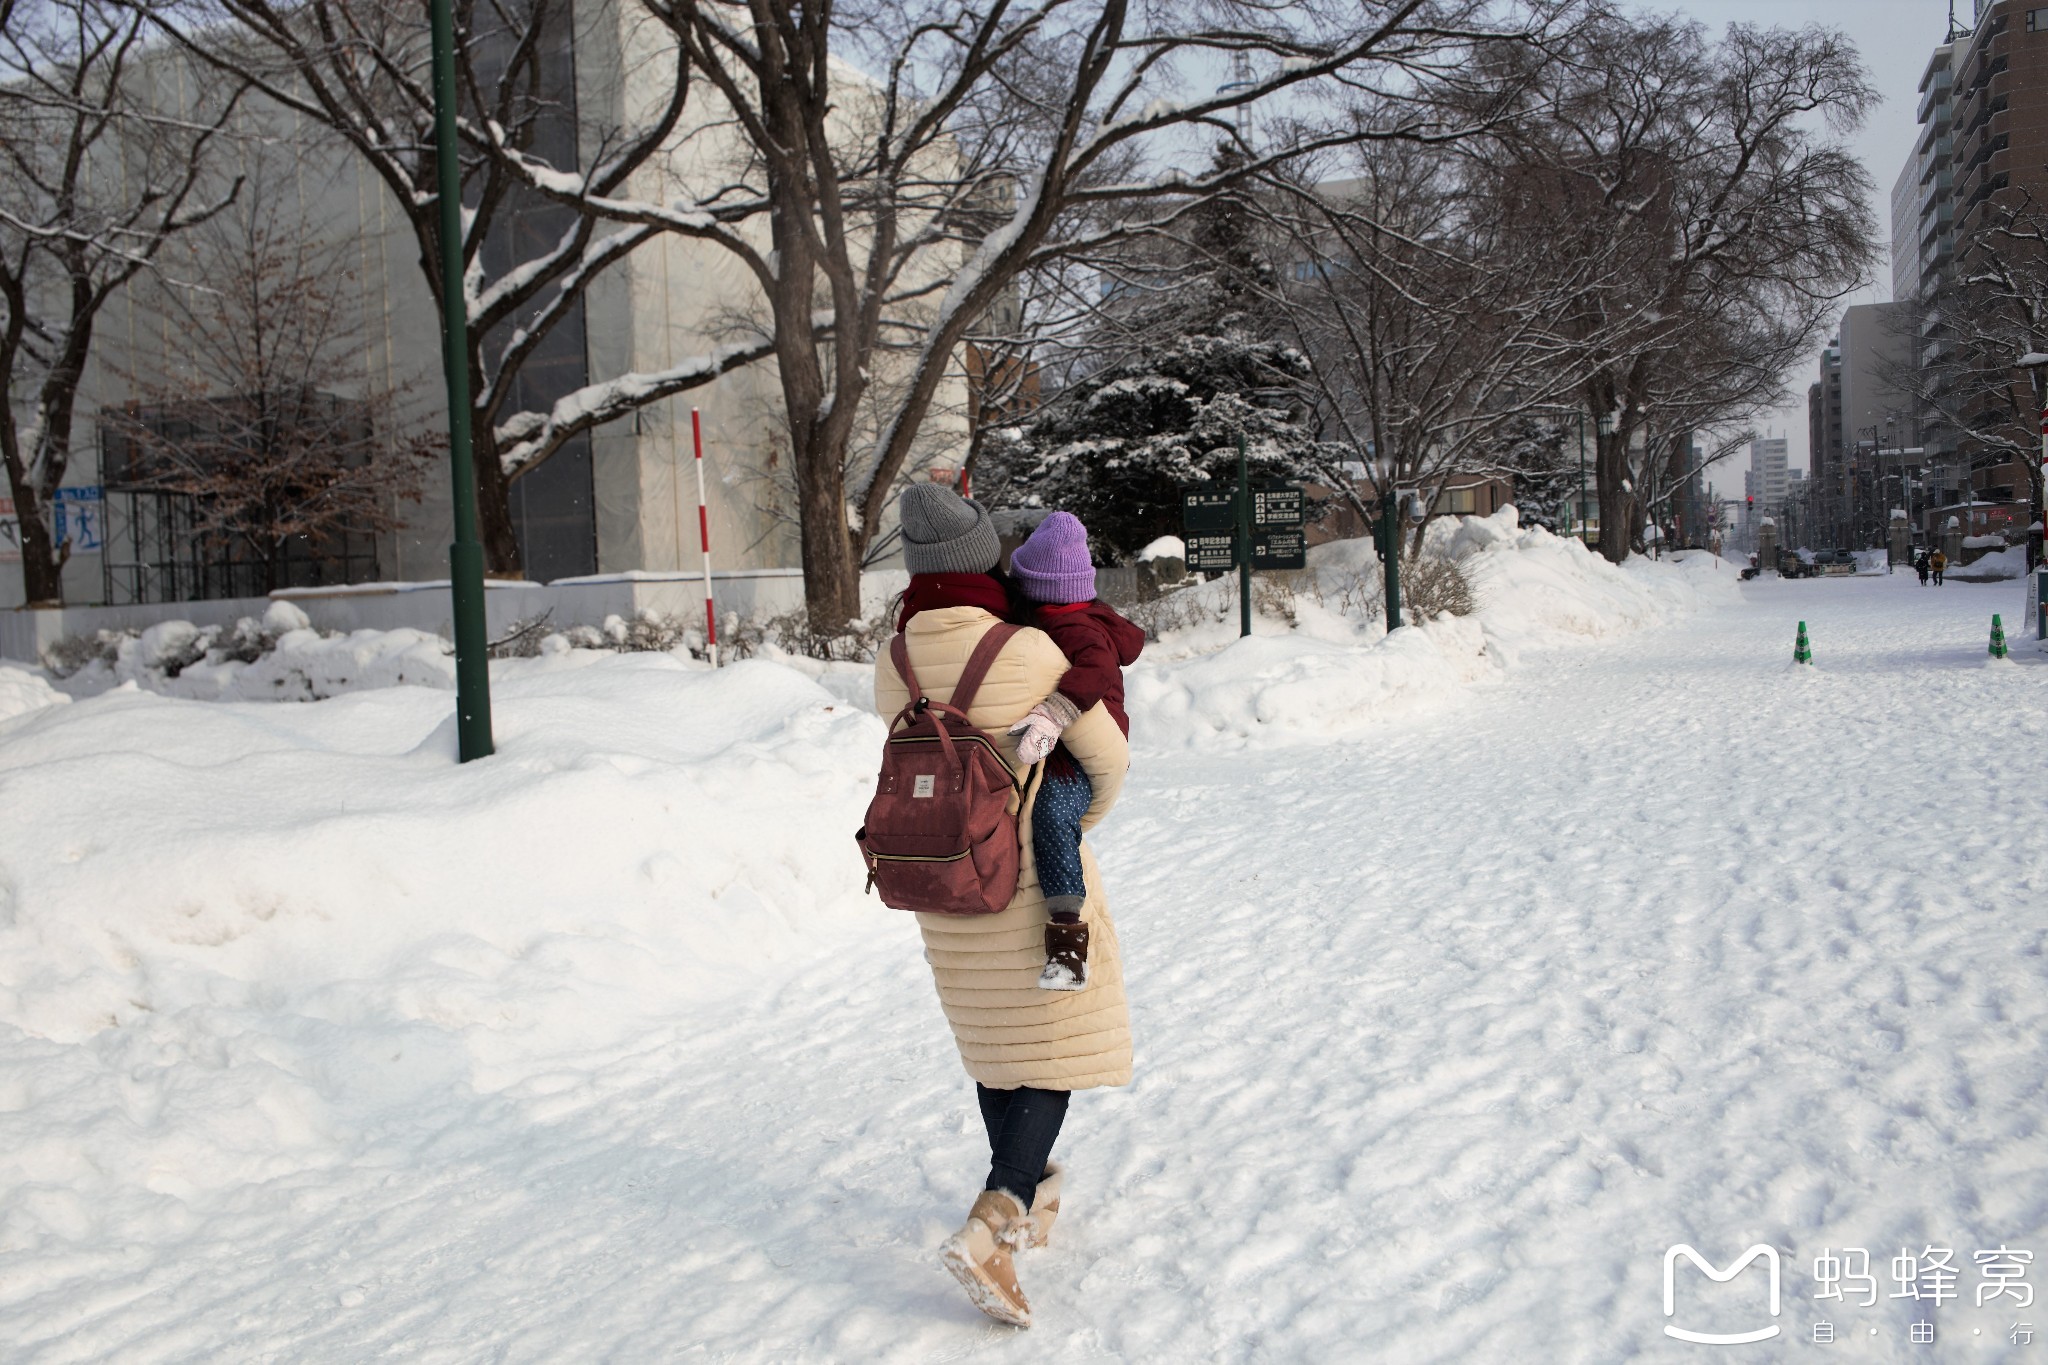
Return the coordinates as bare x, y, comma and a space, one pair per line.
1982, 146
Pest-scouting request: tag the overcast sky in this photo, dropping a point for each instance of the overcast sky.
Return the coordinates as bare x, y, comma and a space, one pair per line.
1895, 38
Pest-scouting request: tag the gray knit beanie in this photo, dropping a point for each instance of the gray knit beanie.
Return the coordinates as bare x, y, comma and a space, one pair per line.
945, 533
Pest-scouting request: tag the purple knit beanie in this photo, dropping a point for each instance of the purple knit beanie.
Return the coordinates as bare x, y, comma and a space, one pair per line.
1053, 565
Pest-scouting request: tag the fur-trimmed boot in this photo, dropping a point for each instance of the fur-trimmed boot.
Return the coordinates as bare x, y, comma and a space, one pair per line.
1045, 1205
1066, 957
979, 1257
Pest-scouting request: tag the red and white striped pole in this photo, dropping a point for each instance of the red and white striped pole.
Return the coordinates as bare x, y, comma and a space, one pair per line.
704, 534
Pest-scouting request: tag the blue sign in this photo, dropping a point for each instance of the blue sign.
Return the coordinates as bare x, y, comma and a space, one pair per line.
80, 518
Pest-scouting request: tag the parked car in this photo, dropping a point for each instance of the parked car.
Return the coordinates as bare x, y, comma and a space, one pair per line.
1793, 564
1834, 562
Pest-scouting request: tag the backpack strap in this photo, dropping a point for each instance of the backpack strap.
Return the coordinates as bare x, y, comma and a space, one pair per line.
978, 663
985, 651
899, 654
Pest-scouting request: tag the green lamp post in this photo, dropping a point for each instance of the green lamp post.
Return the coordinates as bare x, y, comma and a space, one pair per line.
465, 554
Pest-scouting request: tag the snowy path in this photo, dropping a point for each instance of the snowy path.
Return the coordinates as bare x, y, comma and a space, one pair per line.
1442, 1039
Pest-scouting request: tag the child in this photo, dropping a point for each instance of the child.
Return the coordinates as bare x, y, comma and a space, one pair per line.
1052, 571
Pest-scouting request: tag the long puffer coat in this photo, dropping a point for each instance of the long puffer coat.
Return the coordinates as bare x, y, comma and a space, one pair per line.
1011, 1033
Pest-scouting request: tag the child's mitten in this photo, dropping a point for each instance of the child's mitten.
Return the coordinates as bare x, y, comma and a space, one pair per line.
1040, 729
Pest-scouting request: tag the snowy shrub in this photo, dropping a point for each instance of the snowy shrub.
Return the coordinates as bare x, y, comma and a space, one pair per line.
1341, 580
75, 652
858, 643
1434, 585
524, 639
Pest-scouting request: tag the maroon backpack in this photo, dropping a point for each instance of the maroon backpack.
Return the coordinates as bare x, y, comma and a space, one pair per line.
941, 835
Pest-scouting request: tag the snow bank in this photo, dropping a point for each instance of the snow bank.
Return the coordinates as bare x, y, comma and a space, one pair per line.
1994, 567
22, 692
1331, 676
192, 867
277, 658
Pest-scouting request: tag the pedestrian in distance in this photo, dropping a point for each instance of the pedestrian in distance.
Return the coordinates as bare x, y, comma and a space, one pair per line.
1056, 578
1920, 567
1026, 1049
1936, 564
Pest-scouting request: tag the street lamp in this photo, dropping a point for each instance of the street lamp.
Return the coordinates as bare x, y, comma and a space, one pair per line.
465, 555
1607, 425
1388, 533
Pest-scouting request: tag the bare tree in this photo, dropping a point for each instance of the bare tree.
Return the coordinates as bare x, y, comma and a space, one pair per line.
1714, 180
1429, 320
265, 415
882, 138
361, 69
94, 180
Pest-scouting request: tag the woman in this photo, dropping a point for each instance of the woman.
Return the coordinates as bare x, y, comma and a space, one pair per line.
1026, 1049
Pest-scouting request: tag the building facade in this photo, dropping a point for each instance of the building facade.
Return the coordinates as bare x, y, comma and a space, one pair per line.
1982, 149
1767, 471
618, 499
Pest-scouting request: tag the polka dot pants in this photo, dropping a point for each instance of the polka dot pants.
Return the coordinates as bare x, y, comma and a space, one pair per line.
1063, 798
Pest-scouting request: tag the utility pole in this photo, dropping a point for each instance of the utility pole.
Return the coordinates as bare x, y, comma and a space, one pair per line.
465, 554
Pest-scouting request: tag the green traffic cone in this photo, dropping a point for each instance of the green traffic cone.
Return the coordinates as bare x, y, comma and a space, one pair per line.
1802, 652
1998, 638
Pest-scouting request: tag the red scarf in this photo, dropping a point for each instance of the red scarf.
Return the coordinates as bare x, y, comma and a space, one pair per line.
931, 591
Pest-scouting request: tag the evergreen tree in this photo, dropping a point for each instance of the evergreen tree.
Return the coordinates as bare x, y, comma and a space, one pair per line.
1183, 379
1542, 470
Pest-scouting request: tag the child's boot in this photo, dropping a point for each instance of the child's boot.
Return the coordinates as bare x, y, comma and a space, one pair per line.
1066, 956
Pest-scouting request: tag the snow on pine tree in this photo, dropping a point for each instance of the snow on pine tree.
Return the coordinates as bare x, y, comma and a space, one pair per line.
1120, 447
1543, 471
1183, 378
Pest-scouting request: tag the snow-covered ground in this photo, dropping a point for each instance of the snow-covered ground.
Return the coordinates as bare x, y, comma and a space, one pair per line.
1616, 931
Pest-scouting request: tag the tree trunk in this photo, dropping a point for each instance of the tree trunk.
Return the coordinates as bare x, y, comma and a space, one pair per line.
493, 504
831, 574
1617, 504
42, 567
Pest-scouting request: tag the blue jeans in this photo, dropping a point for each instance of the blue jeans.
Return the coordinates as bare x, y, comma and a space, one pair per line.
1064, 795
1022, 1126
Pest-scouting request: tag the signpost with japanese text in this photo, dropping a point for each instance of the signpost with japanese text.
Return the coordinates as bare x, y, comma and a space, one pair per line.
1267, 522
1213, 552
1280, 550
1207, 511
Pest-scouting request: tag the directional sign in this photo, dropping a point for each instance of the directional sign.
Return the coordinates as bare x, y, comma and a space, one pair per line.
1208, 511
1211, 551
1277, 505
1280, 550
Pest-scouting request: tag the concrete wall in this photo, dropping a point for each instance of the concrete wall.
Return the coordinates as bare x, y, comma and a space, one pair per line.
755, 594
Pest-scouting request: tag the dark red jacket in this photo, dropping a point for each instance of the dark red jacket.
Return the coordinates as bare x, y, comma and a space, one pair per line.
1099, 645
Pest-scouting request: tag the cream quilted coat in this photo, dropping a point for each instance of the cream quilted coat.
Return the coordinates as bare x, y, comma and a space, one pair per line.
1010, 1032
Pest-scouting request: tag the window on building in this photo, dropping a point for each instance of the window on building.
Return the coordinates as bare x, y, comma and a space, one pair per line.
165, 465
2037, 20
1459, 501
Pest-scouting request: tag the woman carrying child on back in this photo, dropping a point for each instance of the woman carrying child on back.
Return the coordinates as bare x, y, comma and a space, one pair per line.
1026, 1049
